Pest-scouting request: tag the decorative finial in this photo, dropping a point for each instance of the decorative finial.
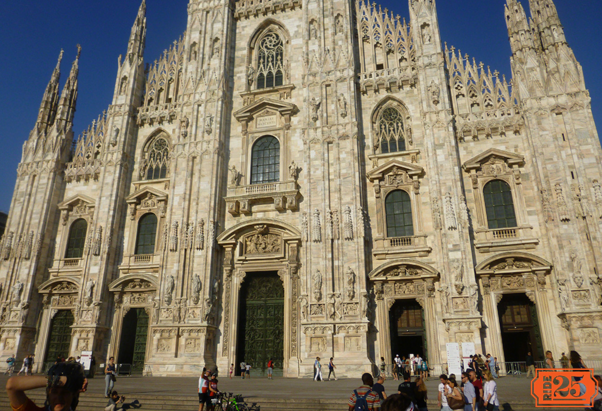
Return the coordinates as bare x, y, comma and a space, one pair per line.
79, 51
61, 56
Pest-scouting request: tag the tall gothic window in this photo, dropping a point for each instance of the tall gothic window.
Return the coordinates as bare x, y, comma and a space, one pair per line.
147, 233
499, 205
399, 214
391, 132
265, 160
155, 165
270, 68
77, 239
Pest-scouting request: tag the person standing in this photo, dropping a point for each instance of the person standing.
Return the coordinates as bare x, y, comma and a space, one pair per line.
243, 369
564, 361
491, 363
110, 376
379, 388
478, 388
576, 363
213, 391
455, 393
530, 365
409, 387
10, 361
444, 391
203, 388
31, 362
490, 399
549, 359
469, 393
270, 369
331, 368
364, 395
318, 368
231, 370
383, 366
248, 371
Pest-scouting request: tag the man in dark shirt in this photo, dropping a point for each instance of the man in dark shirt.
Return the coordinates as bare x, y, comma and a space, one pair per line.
478, 387
380, 388
408, 387
530, 364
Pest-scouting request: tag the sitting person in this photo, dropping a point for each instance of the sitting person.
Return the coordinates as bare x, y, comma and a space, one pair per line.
64, 383
114, 401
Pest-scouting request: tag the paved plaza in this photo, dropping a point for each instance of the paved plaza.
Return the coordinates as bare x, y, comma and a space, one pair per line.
513, 391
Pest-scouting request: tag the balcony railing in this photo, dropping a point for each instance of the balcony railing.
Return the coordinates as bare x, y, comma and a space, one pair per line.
71, 262
410, 245
143, 258
504, 233
522, 237
284, 194
401, 241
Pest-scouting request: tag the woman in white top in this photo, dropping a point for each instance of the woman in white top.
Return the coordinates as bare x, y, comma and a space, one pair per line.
490, 393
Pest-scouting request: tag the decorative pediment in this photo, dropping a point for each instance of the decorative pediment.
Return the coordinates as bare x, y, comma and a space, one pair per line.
134, 283
492, 158
76, 206
264, 225
267, 109
405, 269
148, 198
508, 263
63, 285
398, 171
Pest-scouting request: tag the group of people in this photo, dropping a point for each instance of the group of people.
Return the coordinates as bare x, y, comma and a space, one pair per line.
470, 394
318, 370
403, 365
208, 391
481, 365
27, 367
574, 361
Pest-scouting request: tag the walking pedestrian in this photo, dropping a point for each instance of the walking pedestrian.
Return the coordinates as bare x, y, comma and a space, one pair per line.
491, 364
243, 369
530, 365
10, 361
270, 369
490, 401
421, 395
383, 366
203, 388
395, 371
469, 393
379, 388
24, 366
248, 371
331, 368
364, 398
31, 362
110, 376
444, 390
564, 361
318, 368
231, 370
478, 388
455, 399
424, 374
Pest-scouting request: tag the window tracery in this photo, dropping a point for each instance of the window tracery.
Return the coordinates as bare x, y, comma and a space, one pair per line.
391, 132
156, 162
270, 62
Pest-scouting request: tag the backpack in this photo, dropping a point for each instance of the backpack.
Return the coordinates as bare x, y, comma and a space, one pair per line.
270, 365
361, 403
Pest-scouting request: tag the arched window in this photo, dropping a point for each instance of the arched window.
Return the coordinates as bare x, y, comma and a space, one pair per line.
399, 214
147, 233
391, 131
265, 160
499, 205
155, 165
270, 61
77, 239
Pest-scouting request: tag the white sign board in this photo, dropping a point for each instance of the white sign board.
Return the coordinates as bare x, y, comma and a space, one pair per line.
86, 359
454, 361
267, 121
467, 351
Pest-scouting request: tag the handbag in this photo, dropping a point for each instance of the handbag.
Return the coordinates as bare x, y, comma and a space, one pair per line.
456, 404
490, 406
113, 377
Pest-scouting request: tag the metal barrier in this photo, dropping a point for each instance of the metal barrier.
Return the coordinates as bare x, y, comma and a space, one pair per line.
124, 369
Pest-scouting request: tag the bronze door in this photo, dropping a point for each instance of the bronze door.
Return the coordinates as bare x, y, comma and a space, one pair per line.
59, 339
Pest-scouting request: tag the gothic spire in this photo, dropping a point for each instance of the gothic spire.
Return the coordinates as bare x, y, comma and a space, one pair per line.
66, 107
547, 22
50, 100
138, 35
519, 32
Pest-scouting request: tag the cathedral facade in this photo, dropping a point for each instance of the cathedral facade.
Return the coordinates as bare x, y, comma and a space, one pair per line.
294, 179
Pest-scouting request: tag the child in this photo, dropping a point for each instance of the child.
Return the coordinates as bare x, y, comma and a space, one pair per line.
231, 370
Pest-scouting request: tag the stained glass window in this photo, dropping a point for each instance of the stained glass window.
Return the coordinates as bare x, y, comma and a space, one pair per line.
77, 239
265, 161
156, 161
391, 132
399, 214
270, 68
499, 205
147, 232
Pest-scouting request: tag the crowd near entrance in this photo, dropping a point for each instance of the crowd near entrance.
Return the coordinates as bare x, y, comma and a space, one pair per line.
134, 333
408, 335
261, 323
520, 328
59, 338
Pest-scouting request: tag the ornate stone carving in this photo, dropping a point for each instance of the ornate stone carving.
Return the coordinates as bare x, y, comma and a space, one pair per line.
293, 171
314, 107
304, 227
317, 285
263, 243
563, 294
89, 291
173, 237
458, 275
316, 309
577, 262
196, 288
361, 222
514, 281
563, 211
342, 102
168, 290
434, 89
581, 296
316, 231
450, 215
235, 176
589, 336
350, 276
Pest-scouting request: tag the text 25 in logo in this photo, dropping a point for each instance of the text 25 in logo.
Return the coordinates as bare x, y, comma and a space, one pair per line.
560, 387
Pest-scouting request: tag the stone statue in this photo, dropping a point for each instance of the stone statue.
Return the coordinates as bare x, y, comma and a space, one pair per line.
304, 307
216, 288
426, 35
350, 283
331, 309
208, 309
317, 279
234, 176
314, 106
170, 284
338, 25
293, 171
89, 291
196, 288
156, 310
342, 105
444, 290
563, 293
435, 92
313, 30
17, 290
458, 271
577, 267
250, 74
474, 297
115, 137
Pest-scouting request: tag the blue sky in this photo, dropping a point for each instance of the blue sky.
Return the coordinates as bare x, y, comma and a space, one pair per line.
34, 31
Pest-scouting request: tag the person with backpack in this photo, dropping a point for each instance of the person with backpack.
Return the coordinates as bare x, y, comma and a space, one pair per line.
243, 369
331, 368
363, 398
270, 369
11, 365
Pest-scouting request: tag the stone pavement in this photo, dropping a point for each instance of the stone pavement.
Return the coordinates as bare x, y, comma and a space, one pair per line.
514, 392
